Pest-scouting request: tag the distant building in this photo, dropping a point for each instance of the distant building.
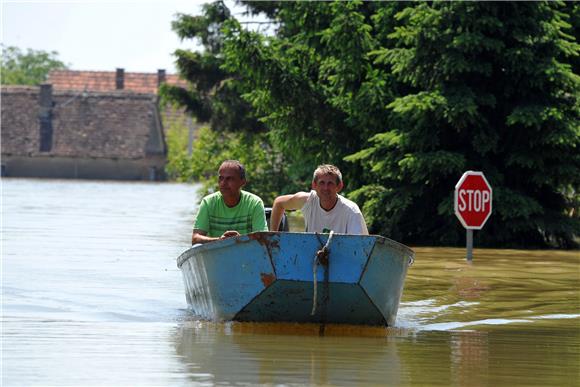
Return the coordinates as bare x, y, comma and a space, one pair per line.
87, 124
105, 81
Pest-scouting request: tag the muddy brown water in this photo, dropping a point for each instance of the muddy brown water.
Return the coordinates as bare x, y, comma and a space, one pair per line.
91, 295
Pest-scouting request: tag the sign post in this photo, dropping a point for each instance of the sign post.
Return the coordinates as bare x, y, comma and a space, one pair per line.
472, 202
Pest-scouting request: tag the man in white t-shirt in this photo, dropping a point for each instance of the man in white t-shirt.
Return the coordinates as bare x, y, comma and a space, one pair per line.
323, 208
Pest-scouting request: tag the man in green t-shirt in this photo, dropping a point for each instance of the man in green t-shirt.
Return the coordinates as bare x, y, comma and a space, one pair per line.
231, 211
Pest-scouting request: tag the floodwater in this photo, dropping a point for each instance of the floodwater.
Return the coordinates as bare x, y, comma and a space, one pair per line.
91, 295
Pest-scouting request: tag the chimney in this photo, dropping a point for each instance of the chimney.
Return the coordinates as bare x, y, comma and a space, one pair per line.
45, 116
120, 79
160, 77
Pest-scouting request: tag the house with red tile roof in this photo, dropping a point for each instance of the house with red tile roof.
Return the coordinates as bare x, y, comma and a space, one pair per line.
87, 124
105, 81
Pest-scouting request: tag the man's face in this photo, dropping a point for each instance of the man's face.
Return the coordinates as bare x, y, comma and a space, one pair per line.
326, 186
230, 182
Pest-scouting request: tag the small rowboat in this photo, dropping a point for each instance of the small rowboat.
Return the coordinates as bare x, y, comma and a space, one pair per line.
297, 277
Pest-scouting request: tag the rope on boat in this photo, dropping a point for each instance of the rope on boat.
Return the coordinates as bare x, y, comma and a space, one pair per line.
320, 257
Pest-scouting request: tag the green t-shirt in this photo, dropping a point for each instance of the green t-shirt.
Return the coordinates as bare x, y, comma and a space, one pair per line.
215, 218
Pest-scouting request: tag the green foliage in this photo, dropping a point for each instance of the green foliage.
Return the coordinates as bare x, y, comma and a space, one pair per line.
265, 170
177, 139
214, 94
406, 96
30, 68
214, 97
489, 88
304, 82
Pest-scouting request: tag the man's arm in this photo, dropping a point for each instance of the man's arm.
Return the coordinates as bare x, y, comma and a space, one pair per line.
286, 202
201, 225
200, 236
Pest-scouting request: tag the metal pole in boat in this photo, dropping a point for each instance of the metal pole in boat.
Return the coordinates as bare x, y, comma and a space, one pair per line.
469, 244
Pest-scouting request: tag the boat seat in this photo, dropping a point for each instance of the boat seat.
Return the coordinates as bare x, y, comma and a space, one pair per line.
283, 223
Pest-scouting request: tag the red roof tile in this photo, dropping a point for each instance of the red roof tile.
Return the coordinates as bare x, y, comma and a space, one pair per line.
106, 81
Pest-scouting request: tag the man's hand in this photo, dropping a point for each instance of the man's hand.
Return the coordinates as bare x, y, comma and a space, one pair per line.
229, 234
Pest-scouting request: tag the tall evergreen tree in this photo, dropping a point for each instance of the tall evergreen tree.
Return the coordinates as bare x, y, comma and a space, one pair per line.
413, 94
313, 82
213, 97
490, 89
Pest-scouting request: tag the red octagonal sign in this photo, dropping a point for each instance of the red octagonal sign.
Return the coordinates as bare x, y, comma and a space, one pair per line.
473, 198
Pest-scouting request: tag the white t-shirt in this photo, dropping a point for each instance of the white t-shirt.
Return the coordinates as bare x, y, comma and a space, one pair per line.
344, 218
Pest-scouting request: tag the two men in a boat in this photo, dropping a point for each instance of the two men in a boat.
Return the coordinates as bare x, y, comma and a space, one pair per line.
233, 211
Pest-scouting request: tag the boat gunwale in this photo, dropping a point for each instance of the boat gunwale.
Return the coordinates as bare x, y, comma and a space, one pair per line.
219, 244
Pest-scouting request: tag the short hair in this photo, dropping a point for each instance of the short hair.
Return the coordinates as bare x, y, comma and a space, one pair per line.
327, 169
235, 164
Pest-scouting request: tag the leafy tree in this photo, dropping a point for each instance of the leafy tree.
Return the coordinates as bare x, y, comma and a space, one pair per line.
30, 68
312, 83
436, 89
265, 169
214, 97
404, 97
491, 89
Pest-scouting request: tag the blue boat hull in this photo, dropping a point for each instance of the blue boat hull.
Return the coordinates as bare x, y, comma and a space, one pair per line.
270, 276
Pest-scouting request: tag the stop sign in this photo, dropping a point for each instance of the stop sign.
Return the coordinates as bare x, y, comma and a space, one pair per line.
473, 197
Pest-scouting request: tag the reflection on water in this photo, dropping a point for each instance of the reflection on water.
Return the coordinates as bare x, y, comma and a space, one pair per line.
469, 358
91, 296
286, 354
